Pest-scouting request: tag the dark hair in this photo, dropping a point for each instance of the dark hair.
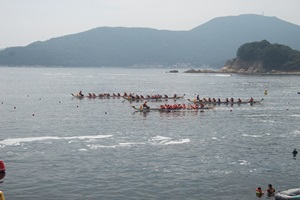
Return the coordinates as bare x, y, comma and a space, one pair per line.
270, 185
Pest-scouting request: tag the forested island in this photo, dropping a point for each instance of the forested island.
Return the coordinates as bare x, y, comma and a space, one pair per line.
261, 57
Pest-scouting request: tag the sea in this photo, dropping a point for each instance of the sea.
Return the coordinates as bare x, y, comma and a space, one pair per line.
55, 146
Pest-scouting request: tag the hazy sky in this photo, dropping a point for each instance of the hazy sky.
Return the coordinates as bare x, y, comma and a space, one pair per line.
25, 21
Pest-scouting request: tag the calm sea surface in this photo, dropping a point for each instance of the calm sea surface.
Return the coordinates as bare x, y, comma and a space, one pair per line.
59, 147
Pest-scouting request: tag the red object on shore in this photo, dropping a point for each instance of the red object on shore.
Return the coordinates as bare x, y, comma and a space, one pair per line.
2, 166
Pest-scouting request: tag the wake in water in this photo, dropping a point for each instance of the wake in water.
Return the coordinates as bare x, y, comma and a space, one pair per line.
158, 140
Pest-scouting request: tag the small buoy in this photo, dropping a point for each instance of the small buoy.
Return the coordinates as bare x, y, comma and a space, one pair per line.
2, 166
77, 106
105, 112
230, 110
40, 98
59, 102
266, 92
32, 114
15, 107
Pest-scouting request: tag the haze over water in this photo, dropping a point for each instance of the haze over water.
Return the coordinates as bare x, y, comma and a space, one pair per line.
59, 147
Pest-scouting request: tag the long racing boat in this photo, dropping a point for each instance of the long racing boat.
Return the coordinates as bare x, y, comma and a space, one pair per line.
223, 102
154, 98
78, 96
142, 109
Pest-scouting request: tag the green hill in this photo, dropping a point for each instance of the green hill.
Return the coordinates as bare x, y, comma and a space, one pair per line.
209, 44
265, 57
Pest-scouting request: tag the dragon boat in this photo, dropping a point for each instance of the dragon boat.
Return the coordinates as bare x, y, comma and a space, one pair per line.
96, 96
160, 98
223, 102
142, 109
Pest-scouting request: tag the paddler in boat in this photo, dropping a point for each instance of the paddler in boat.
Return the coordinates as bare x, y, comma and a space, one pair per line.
231, 100
227, 100
175, 96
251, 99
145, 105
201, 105
166, 96
198, 98
239, 100
219, 100
80, 93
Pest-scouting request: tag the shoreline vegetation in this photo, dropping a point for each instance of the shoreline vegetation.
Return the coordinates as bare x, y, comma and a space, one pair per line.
260, 58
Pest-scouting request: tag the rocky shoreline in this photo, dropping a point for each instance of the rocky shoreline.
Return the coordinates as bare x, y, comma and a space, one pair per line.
236, 66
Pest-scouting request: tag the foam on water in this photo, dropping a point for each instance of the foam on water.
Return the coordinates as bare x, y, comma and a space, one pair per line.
254, 136
19, 141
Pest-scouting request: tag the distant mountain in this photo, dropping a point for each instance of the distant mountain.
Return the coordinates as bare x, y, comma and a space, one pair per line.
212, 43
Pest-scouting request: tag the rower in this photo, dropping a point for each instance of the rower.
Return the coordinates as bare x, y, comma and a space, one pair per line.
198, 98
145, 105
239, 100
251, 99
231, 99
162, 107
80, 93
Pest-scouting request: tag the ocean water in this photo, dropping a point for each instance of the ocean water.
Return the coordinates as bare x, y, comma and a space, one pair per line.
59, 147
